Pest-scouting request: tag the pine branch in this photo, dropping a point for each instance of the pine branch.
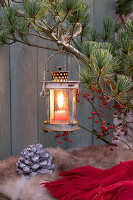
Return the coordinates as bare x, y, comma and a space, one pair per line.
59, 22
14, 40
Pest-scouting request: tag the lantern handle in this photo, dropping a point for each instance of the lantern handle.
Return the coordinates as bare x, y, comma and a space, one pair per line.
43, 92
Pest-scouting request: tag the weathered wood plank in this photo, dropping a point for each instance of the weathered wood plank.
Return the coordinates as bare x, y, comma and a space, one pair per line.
81, 137
24, 96
101, 10
5, 134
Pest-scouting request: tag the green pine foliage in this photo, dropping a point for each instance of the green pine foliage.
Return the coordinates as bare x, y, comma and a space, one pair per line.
124, 7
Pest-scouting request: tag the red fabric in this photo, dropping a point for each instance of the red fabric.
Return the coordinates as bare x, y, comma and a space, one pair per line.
89, 183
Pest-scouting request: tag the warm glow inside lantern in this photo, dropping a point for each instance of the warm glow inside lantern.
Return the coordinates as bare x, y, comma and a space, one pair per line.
61, 103
59, 106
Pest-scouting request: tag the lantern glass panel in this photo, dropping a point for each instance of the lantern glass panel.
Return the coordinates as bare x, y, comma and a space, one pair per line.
59, 112
74, 106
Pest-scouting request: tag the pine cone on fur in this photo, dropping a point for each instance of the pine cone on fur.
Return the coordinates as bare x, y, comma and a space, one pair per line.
34, 160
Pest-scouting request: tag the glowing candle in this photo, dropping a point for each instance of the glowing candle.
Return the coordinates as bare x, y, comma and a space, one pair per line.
60, 115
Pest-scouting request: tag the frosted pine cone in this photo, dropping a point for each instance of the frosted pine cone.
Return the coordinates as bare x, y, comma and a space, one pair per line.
34, 160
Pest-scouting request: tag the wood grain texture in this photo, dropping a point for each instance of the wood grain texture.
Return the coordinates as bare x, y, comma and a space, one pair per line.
24, 94
79, 137
101, 10
5, 132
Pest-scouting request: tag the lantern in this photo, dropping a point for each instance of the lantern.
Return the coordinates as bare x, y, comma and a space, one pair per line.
60, 97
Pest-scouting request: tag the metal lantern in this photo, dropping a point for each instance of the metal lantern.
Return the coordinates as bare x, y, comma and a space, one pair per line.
60, 97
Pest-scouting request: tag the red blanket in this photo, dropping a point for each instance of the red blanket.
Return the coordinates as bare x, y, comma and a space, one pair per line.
89, 183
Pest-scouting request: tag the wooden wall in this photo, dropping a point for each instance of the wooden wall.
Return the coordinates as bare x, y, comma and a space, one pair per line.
22, 111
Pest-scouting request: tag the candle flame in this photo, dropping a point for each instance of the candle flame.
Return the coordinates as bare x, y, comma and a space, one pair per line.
60, 100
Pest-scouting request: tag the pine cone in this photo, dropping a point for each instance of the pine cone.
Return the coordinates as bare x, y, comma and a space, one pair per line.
34, 160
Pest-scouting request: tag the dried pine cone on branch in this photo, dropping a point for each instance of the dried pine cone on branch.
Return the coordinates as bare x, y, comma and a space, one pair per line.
34, 160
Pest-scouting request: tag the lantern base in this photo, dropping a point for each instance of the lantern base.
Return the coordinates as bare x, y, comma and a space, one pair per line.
60, 127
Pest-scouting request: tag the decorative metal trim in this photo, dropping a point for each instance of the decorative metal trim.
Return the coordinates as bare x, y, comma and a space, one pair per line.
60, 127
61, 85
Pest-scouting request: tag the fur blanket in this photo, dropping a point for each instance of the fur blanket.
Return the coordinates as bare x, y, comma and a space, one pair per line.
17, 187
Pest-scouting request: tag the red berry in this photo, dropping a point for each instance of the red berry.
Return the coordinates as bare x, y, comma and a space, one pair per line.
59, 142
118, 111
96, 121
100, 105
70, 140
111, 127
106, 129
122, 129
92, 98
104, 122
114, 138
111, 149
88, 94
77, 101
66, 132
104, 103
93, 113
65, 139
85, 96
88, 99
100, 97
118, 135
63, 134
106, 107
89, 117
57, 136
108, 133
